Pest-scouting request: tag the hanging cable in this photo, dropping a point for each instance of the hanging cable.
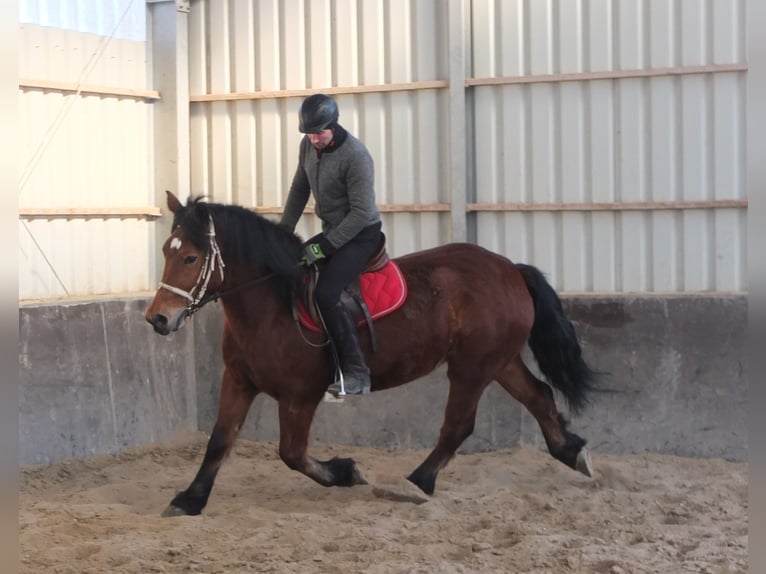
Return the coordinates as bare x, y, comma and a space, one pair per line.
58, 120
40, 249
69, 101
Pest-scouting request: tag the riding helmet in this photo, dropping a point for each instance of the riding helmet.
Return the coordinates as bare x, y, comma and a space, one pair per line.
317, 113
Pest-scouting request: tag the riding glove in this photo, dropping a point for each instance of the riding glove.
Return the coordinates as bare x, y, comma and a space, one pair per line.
312, 252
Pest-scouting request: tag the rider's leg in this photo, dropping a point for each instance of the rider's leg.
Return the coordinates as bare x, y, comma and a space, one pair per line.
356, 375
342, 267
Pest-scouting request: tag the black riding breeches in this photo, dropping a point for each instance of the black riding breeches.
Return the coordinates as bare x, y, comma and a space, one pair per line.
345, 265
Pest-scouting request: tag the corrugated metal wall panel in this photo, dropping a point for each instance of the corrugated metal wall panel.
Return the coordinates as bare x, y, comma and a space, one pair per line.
246, 151
98, 154
554, 142
80, 152
665, 138
97, 256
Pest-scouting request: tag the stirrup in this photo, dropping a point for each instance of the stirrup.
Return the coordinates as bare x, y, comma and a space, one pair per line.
338, 388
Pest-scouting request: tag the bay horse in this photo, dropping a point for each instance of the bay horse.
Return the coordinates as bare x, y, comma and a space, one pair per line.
467, 307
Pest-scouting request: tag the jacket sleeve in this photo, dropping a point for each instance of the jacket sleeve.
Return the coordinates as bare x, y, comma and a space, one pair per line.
298, 196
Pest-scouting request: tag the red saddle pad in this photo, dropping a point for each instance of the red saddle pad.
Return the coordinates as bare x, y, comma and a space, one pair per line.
383, 291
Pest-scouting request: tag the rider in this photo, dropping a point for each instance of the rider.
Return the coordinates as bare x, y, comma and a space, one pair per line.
338, 170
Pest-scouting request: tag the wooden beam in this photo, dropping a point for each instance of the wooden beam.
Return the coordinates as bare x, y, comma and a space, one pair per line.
615, 206
500, 81
415, 208
87, 89
89, 212
383, 208
540, 207
607, 75
155, 212
269, 95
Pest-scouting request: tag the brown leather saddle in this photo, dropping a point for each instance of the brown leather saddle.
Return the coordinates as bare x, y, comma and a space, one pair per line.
351, 296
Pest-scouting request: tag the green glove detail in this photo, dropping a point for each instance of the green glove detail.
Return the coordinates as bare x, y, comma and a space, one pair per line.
311, 254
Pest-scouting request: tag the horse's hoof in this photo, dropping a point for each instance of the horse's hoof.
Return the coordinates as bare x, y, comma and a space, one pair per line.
400, 491
357, 477
172, 511
330, 398
583, 463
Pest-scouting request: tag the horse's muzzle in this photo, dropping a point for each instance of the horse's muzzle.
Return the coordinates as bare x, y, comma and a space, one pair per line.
165, 325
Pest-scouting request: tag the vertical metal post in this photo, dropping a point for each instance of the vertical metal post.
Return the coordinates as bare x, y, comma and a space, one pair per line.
168, 48
457, 121
755, 118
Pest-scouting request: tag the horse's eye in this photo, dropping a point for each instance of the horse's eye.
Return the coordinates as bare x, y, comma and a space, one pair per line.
189, 259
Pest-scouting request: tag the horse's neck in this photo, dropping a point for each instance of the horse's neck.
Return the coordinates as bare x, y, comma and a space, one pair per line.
256, 306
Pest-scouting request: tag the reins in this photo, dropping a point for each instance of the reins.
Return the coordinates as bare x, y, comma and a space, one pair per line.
194, 307
208, 268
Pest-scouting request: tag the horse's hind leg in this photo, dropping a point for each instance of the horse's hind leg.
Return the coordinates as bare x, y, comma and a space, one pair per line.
236, 398
459, 419
295, 416
537, 397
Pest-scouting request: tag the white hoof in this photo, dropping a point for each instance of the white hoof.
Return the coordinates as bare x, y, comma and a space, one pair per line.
330, 398
583, 463
172, 511
357, 477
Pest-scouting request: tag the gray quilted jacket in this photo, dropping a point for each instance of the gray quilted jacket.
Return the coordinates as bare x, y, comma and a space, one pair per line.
341, 179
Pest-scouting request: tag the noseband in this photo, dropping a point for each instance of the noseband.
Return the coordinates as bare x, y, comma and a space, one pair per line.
208, 268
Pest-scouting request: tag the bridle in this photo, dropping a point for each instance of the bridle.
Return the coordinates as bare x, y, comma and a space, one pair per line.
212, 257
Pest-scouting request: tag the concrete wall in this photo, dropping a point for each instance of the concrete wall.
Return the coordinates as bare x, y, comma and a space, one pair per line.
94, 378
679, 374
677, 383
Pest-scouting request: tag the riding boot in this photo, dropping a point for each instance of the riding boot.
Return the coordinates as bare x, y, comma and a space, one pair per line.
342, 332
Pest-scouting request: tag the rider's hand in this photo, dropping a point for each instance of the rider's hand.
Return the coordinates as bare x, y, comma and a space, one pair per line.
312, 252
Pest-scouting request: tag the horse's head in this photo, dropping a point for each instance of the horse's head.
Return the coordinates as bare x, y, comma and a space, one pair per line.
193, 266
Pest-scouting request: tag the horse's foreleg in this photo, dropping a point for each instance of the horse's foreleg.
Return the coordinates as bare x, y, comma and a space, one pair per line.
294, 424
236, 397
459, 420
537, 397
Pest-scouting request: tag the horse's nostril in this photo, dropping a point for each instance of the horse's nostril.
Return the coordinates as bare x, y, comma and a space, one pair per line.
159, 322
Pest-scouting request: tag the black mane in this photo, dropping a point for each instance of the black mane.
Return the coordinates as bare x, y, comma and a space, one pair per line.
245, 238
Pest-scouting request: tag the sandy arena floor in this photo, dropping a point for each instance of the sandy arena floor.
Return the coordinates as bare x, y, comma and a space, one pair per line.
515, 511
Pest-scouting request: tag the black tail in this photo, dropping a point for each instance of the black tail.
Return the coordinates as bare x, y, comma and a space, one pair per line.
554, 343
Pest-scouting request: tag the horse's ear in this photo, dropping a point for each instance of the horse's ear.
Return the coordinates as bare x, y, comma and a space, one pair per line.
173, 204
201, 212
